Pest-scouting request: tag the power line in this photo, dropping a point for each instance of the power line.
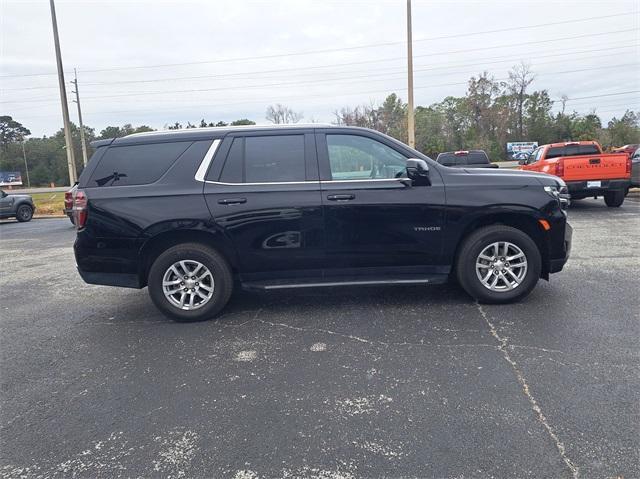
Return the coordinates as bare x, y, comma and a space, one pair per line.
253, 73
599, 96
315, 97
286, 84
334, 50
335, 81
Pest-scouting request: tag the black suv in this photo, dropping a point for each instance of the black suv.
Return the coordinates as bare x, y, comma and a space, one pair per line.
466, 158
191, 213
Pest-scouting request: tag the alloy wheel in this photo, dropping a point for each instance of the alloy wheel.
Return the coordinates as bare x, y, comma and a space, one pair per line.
188, 284
501, 266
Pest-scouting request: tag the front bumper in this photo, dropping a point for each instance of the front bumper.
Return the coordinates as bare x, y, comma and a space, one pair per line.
556, 265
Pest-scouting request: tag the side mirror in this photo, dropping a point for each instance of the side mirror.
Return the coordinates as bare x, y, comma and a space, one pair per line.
418, 170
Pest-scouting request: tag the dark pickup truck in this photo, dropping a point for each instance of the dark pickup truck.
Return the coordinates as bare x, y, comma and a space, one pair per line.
193, 213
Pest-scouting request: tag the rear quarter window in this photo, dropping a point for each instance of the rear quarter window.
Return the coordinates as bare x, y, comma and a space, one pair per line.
478, 158
572, 150
136, 164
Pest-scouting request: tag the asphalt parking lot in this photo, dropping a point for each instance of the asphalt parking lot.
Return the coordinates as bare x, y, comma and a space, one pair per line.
336, 383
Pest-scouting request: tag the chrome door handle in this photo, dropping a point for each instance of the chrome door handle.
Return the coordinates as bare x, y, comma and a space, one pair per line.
341, 197
232, 201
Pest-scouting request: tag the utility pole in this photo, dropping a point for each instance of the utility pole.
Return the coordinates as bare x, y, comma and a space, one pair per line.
77, 100
63, 99
26, 166
410, 118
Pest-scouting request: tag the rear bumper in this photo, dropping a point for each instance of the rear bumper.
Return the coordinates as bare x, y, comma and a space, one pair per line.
580, 189
123, 280
109, 262
556, 265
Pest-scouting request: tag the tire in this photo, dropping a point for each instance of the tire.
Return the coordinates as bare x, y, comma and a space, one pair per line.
191, 254
614, 199
477, 243
24, 213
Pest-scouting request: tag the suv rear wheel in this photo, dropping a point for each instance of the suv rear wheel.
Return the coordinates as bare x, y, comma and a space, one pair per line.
190, 282
498, 264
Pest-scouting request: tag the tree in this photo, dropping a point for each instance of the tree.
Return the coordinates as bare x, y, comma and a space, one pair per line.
281, 114
625, 130
520, 77
242, 121
586, 127
392, 117
11, 131
362, 115
124, 130
537, 110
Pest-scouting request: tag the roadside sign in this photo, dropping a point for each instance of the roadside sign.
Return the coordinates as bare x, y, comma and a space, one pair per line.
10, 178
519, 146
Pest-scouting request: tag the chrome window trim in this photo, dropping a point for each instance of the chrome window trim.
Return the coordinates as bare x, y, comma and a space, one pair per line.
262, 184
206, 161
302, 182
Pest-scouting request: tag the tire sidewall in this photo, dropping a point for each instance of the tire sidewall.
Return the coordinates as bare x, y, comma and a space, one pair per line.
467, 267
223, 282
614, 199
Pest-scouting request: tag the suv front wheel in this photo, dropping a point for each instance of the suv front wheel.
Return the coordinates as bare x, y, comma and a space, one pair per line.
24, 213
498, 264
190, 282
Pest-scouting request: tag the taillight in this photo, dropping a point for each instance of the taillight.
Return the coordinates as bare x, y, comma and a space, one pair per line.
560, 168
628, 168
68, 199
80, 209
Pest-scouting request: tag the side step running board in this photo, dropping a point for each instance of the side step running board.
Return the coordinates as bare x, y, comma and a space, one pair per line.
329, 282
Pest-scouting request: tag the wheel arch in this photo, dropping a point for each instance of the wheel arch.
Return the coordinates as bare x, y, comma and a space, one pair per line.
526, 223
160, 242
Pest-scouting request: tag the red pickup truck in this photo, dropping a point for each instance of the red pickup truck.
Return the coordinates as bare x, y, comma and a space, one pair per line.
587, 171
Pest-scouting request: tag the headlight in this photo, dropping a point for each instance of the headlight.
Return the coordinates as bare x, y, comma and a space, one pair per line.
561, 193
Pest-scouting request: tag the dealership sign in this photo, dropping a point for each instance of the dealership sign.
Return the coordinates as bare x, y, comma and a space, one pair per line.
518, 146
10, 178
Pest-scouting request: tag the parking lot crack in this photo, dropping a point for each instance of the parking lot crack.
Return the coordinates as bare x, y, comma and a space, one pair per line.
371, 341
318, 330
504, 349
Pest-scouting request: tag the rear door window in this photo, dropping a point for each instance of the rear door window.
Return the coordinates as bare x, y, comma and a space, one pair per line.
136, 164
232, 172
265, 159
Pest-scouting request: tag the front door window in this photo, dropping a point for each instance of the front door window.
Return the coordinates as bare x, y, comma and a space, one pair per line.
354, 157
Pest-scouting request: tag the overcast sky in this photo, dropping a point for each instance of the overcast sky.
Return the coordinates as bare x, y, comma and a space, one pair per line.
158, 62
